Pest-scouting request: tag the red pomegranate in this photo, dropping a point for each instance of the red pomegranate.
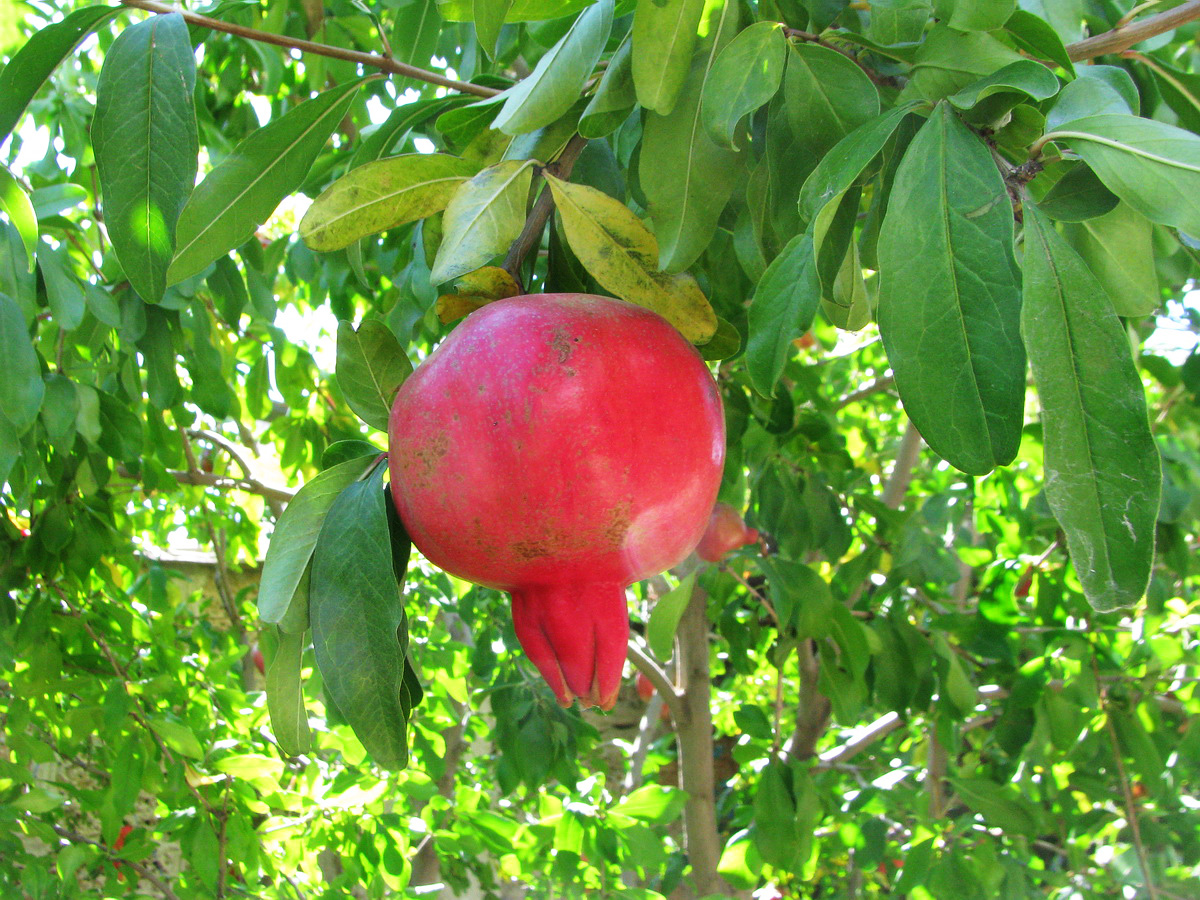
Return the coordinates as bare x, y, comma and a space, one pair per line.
725, 532
559, 447
645, 688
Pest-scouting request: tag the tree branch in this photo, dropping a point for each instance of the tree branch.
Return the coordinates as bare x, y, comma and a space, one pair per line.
207, 479
658, 678
1125, 36
535, 222
373, 60
906, 461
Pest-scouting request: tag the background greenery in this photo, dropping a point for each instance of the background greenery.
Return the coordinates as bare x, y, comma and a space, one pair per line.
910, 690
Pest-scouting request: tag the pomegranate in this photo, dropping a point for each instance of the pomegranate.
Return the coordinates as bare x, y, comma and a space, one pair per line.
725, 532
559, 447
645, 688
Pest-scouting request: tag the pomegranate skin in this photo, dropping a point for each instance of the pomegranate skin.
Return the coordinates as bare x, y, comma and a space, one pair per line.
559, 447
725, 532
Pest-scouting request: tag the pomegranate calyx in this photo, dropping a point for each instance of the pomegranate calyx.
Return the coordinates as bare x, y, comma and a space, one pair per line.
576, 635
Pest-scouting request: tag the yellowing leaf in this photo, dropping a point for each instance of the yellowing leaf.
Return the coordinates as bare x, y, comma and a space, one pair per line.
382, 195
474, 290
483, 217
620, 252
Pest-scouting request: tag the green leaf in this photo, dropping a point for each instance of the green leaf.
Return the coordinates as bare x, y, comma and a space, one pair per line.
177, 737
745, 75
555, 82
296, 534
341, 451
1078, 195
415, 37
1005, 88
33, 63
382, 195
242, 192
622, 255
39, 800
614, 97
652, 803
1180, 89
827, 96
949, 298
1000, 805
974, 15
1103, 476
1039, 38
60, 409
845, 163
158, 353
15, 204
285, 695
521, 11
775, 817
1153, 167
664, 618
784, 305
63, 291
692, 177
489, 18
122, 432
482, 219
145, 142
357, 613
948, 60
1118, 248
916, 867
21, 385
664, 36
370, 369
1098, 89
56, 198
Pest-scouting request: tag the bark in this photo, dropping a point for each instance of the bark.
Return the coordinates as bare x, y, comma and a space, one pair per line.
695, 733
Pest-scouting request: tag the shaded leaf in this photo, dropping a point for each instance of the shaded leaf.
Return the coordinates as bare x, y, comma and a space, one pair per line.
371, 366
285, 695
357, 613
381, 195
784, 305
1098, 89
1152, 166
242, 192
21, 385
948, 60
1103, 476
1118, 248
827, 97
1078, 195
296, 534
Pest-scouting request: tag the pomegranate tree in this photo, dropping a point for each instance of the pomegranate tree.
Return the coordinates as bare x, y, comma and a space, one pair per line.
725, 533
559, 447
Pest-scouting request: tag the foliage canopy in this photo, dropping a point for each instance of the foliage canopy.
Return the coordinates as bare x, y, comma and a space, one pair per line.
938, 253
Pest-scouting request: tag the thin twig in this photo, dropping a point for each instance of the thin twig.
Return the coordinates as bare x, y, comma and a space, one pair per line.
1125, 36
374, 60
879, 384
658, 678
535, 222
77, 838
208, 479
758, 595
1123, 778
